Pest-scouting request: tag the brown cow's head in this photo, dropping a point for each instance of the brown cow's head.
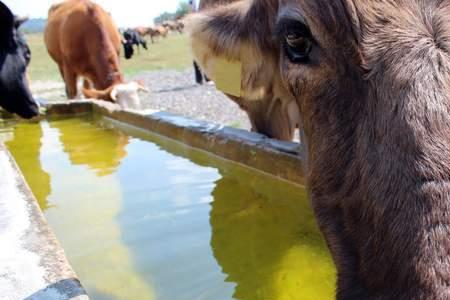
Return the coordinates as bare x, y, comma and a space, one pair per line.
372, 82
124, 94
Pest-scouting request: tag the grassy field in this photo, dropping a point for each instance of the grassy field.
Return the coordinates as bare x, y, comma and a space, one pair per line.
170, 53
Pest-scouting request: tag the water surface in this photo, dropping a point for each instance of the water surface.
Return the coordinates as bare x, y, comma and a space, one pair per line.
142, 217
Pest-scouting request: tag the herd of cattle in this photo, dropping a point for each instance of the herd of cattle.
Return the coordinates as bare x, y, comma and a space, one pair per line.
368, 83
136, 36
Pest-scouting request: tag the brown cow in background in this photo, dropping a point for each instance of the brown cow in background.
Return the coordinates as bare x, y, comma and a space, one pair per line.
153, 32
174, 26
83, 40
272, 110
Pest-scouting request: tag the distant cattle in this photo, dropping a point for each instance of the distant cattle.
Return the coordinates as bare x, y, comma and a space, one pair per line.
84, 41
131, 38
15, 95
143, 31
153, 32
177, 26
161, 31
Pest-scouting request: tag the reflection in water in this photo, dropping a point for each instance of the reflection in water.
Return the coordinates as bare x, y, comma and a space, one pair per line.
146, 218
164, 222
25, 146
269, 245
100, 149
85, 205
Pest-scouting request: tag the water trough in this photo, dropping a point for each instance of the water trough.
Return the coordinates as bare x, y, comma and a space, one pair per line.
36, 266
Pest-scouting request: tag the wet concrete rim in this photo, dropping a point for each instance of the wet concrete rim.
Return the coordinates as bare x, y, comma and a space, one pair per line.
34, 265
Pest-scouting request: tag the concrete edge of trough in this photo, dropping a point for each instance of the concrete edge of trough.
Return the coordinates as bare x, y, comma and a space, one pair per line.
33, 264
281, 159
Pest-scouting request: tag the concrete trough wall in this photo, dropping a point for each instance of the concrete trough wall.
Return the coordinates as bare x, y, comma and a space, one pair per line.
33, 264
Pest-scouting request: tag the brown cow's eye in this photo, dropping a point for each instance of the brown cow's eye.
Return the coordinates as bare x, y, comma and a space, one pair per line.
298, 46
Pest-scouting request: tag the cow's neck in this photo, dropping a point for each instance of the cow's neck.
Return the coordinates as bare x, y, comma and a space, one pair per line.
107, 62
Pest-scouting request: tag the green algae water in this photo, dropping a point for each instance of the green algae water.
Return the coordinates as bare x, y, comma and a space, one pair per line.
142, 217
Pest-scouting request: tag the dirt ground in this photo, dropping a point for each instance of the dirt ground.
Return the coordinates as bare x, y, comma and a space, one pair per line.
172, 91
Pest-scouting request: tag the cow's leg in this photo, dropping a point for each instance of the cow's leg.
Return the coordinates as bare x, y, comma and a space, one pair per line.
61, 71
198, 73
70, 79
207, 79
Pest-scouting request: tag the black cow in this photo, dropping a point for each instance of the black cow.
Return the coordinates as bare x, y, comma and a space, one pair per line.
15, 95
131, 38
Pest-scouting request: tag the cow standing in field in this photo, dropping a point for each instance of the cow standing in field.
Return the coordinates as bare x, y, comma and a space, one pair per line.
152, 32
161, 31
174, 26
15, 94
372, 83
84, 41
131, 38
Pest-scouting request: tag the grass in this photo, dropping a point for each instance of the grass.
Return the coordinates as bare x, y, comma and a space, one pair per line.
170, 53
42, 67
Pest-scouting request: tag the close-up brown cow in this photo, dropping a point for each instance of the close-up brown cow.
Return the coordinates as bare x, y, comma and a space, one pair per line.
83, 40
371, 80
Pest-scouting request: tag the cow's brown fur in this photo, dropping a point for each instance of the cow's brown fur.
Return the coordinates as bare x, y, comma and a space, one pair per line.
375, 105
143, 31
271, 109
84, 41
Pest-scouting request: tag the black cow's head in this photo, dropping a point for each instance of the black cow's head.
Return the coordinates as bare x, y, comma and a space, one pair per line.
127, 43
15, 95
128, 48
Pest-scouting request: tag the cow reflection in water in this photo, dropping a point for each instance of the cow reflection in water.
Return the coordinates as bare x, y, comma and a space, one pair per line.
100, 149
26, 149
269, 245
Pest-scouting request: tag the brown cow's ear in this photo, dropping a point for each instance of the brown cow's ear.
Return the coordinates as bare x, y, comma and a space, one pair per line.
106, 94
354, 17
225, 28
240, 33
141, 86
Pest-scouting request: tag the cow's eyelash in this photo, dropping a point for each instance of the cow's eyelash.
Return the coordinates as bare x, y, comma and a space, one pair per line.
286, 25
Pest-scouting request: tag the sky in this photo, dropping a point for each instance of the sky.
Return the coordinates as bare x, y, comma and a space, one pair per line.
126, 13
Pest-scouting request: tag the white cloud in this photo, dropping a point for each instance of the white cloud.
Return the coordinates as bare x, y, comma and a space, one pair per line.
126, 13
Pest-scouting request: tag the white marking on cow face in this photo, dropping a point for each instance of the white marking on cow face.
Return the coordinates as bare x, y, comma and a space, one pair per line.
126, 95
